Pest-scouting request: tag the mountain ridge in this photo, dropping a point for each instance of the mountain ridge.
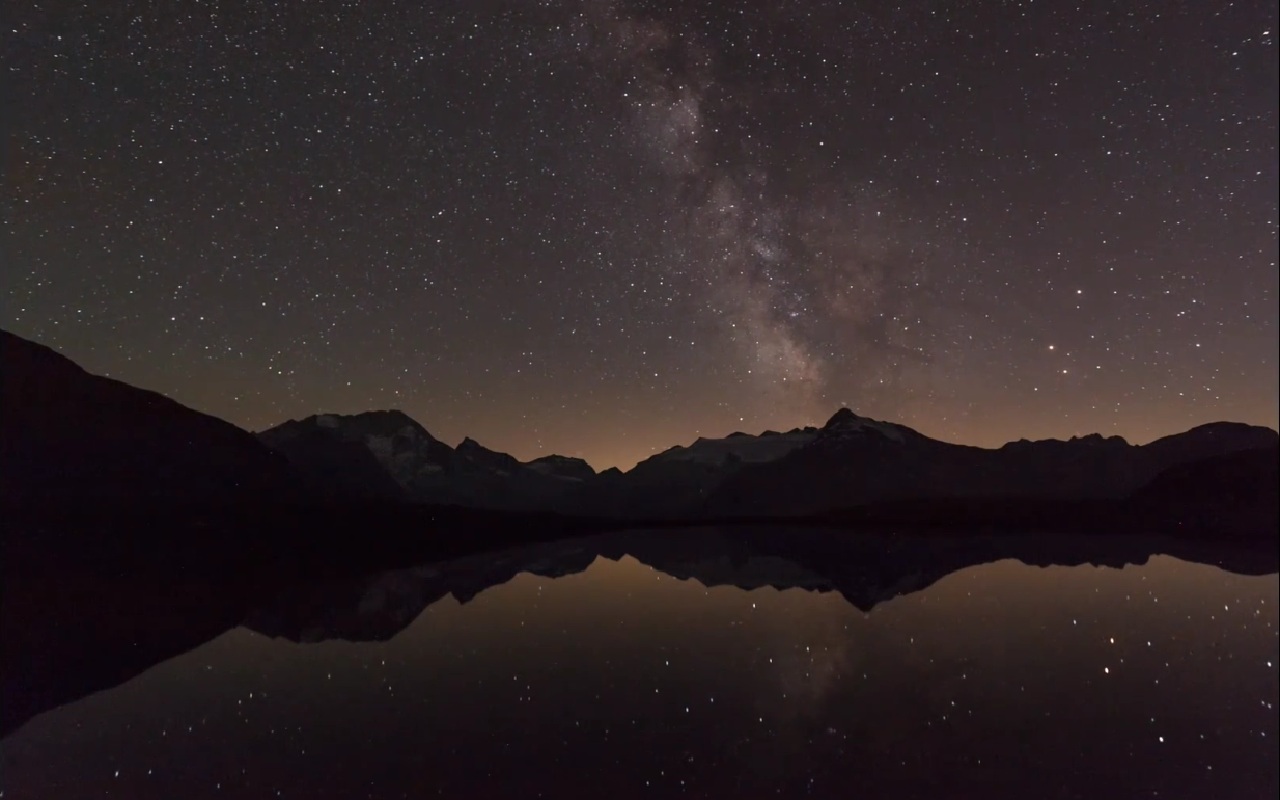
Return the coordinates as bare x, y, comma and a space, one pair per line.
67, 435
849, 461
424, 468
70, 435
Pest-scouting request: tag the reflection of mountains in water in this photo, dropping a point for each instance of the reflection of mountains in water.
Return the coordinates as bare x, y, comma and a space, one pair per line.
58, 645
865, 570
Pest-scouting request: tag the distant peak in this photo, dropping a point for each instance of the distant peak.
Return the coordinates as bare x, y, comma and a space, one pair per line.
378, 423
563, 466
1229, 427
469, 445
1099, 439
390, 414
387, 415
556, 458
842, 417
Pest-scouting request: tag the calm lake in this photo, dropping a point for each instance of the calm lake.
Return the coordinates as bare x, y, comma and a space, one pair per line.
636, 666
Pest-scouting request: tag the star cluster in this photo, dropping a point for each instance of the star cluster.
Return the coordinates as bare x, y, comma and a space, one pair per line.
601, 227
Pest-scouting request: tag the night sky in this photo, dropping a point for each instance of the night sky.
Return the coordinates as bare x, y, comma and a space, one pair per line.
603, 228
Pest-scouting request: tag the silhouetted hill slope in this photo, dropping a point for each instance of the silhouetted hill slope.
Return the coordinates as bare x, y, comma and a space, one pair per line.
1211, 439
1237, 494
69, 437
1248, 477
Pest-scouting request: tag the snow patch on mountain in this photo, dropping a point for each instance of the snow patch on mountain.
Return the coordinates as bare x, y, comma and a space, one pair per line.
871, 426
846, 423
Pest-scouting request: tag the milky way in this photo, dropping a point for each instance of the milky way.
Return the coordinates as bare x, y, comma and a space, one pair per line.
790, 273
602, 228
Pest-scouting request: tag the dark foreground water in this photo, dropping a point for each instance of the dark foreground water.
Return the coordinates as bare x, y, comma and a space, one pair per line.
687, 673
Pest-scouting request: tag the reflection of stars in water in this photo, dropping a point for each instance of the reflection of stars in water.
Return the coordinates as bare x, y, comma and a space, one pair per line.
924, 682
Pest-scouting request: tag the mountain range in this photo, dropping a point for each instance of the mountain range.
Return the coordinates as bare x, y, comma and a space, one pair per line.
849, 461
388, 455
136, 528
70, 436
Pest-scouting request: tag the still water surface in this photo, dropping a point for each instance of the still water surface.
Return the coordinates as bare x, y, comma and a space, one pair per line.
620, 680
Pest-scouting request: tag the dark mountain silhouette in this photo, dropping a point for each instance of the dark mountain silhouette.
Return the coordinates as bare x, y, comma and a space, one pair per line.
1205, 440
330, 465
490, 461
422, 468
73, 438
562, 467
69, 438
387, 454
677, 481
1237, 493
855, 461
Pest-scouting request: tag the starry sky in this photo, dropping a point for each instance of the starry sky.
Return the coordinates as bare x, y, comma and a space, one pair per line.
600, 228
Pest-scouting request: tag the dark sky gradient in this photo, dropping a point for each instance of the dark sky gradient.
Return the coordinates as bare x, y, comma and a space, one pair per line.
602, 228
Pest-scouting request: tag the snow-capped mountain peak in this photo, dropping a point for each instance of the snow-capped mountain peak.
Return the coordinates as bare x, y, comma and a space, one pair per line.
846, 423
